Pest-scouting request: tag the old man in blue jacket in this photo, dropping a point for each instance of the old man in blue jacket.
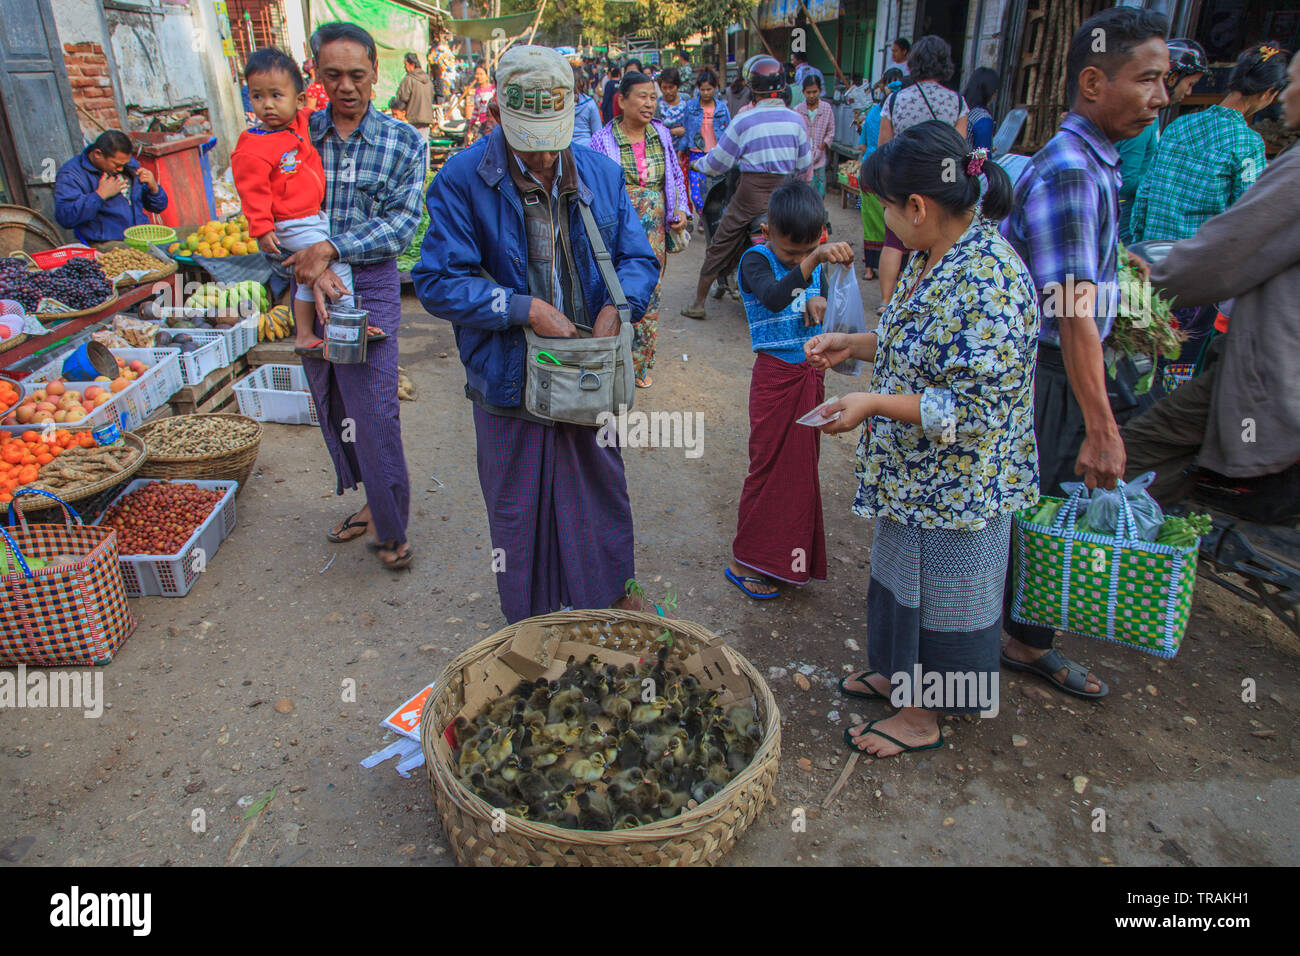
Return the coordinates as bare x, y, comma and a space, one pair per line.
102, 190
506, 248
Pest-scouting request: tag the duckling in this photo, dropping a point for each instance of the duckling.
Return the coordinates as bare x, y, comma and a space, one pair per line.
609, 746
500, 711
558, 778
626, 821
533, 787
600, 800
465, 729
676, 751
510, 769
540, 695
589, 769
493, 796
628, 780
591, 736
703, 790
645, 713
631, 751
549, 756
627, 671
592, 708
742, 717
671, 803
616, 706
469, 755
564, 730
718, 774
738, 759
500, 748
590, 817
561, 702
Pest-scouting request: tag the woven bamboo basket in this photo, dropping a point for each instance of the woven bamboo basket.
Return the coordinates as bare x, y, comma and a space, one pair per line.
33, 504
234, 465
699, 836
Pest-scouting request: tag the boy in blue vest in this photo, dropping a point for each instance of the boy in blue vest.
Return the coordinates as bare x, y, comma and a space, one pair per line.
779, 534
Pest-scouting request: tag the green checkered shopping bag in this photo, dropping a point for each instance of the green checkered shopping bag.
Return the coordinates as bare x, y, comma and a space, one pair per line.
1122, 588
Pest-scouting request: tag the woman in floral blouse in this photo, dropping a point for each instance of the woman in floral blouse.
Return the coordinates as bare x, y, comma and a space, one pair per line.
950, 453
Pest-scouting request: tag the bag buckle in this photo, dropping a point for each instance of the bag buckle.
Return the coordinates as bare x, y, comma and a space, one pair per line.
594, 381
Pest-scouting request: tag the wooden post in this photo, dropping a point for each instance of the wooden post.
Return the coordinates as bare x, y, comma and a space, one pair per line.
813, 23
767, 46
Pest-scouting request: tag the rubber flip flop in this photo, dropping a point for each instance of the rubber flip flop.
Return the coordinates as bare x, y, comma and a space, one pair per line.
341, 536
870, 694
401, 562
741, 582
644, 382
375, 334
848, 739
311, 350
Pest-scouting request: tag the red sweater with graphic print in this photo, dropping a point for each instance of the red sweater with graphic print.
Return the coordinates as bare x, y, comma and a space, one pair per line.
278, 175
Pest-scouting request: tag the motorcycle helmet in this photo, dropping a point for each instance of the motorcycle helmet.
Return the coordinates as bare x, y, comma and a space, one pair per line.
766, 75
1185, 58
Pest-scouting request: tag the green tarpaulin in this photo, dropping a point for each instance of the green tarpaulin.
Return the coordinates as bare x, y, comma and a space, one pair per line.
492, 28
397, 31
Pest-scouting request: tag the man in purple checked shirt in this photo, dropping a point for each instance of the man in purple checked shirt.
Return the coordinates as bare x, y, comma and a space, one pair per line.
769, 142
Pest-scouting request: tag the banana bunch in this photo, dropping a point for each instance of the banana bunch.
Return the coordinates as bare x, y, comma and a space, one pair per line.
275, 325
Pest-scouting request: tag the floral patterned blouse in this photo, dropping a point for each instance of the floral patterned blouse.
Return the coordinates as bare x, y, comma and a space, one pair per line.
965, 338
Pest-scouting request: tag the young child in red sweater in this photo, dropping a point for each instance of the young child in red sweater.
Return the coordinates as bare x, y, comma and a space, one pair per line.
280, 180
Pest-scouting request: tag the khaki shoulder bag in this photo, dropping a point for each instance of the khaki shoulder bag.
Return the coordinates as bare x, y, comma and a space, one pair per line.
576, 380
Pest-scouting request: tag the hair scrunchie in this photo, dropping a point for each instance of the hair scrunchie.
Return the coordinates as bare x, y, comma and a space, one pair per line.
975, 161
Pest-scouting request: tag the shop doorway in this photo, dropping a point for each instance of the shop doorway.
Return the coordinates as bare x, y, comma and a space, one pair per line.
946, 19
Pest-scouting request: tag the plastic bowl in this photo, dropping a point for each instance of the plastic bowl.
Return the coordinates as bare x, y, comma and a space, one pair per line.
140, 237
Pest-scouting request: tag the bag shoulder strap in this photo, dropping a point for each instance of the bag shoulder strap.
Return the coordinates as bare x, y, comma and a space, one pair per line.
921, 89
605, 262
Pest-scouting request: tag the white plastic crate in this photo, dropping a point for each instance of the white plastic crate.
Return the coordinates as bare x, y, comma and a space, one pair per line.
238, 338
156, 384
204, 360
121, 409
277, 393
173, 575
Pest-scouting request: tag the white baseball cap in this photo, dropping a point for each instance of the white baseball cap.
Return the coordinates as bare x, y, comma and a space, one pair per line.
535, 98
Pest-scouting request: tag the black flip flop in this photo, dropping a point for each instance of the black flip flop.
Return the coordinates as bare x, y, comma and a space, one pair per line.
862, 695
402, 561
1076, 675
347, 523
848, 739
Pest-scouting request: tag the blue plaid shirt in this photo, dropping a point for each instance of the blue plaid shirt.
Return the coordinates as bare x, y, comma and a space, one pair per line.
1064, 224
374, 184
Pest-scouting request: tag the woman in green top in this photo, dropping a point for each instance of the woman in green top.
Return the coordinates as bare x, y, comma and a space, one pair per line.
1206, 161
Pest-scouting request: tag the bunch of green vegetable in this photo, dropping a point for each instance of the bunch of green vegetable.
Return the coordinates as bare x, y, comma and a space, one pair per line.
407, 260
1144, 321
1045, 511
1183, 531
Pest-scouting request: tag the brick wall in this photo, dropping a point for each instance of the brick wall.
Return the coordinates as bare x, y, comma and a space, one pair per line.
92, 89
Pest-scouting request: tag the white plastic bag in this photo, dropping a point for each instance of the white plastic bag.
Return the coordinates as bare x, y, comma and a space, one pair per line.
844, 312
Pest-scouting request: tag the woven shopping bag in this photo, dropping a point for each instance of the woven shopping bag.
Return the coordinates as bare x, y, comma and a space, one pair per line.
1122, 588
68, 613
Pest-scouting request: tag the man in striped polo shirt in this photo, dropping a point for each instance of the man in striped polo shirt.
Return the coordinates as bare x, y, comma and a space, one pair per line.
769, 142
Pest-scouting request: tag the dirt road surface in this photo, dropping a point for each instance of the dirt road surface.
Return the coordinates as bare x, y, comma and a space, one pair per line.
1186, 772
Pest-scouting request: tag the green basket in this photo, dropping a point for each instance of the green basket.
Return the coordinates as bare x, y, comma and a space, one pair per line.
1117, 588
140, 237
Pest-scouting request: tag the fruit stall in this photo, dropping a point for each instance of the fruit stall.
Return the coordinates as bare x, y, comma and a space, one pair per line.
120, 453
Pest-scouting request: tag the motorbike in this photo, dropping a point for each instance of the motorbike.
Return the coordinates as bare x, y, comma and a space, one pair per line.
1254, 547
